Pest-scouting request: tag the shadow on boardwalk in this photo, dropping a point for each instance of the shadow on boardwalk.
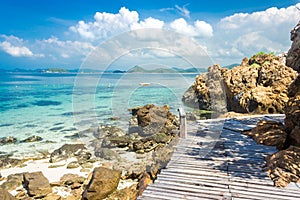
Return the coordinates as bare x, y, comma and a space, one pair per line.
216, 161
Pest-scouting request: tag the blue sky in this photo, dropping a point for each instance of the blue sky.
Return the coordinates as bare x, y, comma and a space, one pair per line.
56, 33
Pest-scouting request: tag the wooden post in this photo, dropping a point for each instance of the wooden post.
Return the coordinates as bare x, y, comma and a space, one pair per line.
182, 126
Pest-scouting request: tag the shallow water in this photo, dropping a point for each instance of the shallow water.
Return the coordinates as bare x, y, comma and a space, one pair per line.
57, 106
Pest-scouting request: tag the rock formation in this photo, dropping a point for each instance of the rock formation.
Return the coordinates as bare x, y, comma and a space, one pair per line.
104, 182
283, 166
37, 184
258, 85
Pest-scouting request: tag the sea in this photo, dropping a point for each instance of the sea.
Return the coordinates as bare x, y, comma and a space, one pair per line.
60, 106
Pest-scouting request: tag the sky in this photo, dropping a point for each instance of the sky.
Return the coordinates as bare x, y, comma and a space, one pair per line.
55, 33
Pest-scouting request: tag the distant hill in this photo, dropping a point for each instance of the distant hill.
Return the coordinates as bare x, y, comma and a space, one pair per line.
138, 69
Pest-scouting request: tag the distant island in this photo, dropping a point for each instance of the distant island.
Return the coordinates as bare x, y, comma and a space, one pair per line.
135, 69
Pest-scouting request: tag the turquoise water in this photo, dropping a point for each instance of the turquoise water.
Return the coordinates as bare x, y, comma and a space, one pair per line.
57, 106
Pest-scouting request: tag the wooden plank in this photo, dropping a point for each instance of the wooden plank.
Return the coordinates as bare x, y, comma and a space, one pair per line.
190, 191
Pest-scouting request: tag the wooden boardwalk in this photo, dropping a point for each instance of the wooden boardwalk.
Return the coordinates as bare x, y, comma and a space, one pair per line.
215, 161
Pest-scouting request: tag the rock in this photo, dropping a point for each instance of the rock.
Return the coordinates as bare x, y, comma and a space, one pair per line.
104, 182
5, 195
151, 119
78, 151
107, 130
53, 197
269, 133
6, 161
36, 184
73, 165
143, 183
13, 181
33, 138
8, 140
107, 154
293, 55
72, 180
128, 193
258, 85
283, 167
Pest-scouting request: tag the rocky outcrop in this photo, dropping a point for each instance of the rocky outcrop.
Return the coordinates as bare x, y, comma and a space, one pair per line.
269, 133
258, 85
293, 56
8, 140
151, 119
13, 181
104, 182
37, 184
283, 166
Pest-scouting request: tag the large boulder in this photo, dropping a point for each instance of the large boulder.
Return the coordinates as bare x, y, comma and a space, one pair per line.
151, 119
104, 182
258, 85
37, 184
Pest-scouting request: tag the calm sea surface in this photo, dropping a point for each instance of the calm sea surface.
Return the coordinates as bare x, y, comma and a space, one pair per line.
59, 106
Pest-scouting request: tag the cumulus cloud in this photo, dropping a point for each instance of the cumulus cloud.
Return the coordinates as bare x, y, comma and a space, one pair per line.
198, 29
244, 34
15, 47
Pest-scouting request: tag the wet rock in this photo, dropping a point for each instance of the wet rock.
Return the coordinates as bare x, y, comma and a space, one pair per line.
283, 166
107, 154
13, 181
78, 151
104, 182
5, 195
107, 130
36, 184
131, 170
258, 85
33, 138
8, 140
269, 133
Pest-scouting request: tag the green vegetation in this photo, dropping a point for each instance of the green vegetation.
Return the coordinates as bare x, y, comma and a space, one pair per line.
255, 65
263, 53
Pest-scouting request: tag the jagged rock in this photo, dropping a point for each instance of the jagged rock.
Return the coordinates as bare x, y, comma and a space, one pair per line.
269, 133
283, 166
143, 183
128, 193
104, 182
8, 140
33, 138
207, 92
73, 180
6, 161
71, 150
151, 119
73, 164
258, 85
107, 130
5, 195
293, 56
53, 197
36, 184
13, 181
107, 154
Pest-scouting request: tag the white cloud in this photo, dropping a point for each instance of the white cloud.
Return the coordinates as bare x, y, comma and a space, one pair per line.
15, 50
106, 24
199, 29
15, 47
244, 34
148, 23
